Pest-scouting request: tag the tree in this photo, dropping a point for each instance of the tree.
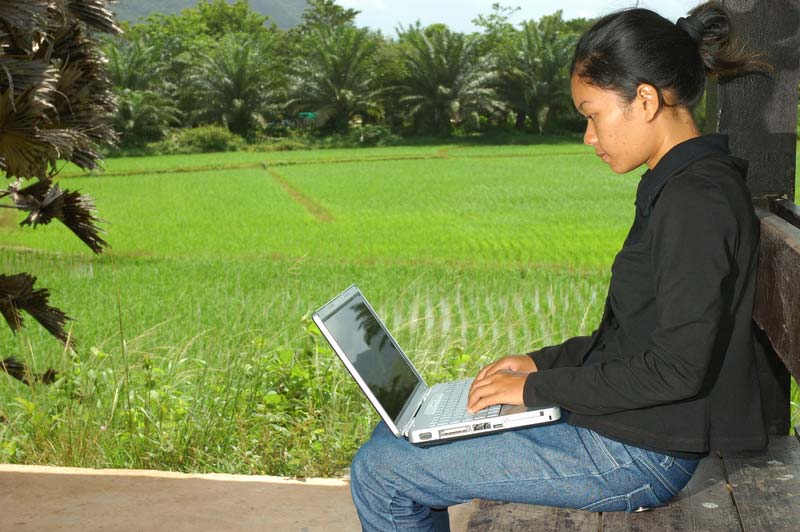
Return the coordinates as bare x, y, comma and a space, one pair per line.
534, 69
334, 67
143, 116
325, 14
55, 100
446, 79
183, 45
237, 85
132, 63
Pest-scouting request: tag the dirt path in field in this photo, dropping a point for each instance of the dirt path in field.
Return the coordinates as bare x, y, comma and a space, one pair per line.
36, 498
315, 209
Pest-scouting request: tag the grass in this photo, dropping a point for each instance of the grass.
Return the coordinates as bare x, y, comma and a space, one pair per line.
196, 351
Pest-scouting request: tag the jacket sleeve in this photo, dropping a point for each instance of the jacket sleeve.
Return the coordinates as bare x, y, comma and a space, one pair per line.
693, 240
569, 353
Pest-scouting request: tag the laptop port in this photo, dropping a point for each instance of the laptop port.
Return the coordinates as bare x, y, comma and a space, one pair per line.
479, 426
425, 436
452, 432
498, 426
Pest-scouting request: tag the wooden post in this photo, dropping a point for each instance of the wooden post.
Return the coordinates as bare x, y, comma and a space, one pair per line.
758, 112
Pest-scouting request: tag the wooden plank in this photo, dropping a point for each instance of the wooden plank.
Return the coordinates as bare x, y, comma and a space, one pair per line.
775, 308
758, 111
494, 516
766, 486
703, 505
786, 209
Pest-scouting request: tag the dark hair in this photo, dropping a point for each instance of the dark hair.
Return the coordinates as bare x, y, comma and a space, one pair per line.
634, 46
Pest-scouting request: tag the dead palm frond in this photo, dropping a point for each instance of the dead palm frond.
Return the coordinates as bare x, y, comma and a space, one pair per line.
45, 201
56, 103
21, 372
17, 294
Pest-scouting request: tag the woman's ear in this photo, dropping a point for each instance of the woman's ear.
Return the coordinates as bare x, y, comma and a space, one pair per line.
647, 100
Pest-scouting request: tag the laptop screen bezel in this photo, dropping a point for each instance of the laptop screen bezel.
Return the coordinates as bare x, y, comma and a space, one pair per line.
400, 424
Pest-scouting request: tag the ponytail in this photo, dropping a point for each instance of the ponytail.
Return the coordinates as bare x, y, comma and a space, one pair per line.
722, 54
624, 49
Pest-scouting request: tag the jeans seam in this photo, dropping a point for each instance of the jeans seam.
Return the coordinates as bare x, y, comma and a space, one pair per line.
682, 468
664, 482
602, 445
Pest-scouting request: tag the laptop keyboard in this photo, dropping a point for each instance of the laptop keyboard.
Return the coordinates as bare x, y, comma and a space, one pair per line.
452, 408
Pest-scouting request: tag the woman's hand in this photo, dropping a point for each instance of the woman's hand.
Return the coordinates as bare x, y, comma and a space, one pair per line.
501, 382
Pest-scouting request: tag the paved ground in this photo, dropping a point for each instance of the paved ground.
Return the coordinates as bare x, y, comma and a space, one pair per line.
34, 498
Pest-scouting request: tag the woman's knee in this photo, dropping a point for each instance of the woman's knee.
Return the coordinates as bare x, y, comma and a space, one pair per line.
372, 462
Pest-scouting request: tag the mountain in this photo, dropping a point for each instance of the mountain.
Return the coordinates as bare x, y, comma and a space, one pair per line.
285, 13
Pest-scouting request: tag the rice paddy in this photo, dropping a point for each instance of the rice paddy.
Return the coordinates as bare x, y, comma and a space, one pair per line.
195, 348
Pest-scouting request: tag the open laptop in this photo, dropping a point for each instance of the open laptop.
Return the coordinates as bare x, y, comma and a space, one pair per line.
395, 388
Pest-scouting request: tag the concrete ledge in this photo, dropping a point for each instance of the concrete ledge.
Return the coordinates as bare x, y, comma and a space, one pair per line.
38, 498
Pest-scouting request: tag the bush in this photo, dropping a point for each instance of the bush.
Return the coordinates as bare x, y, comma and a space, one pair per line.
374, 135
202, 139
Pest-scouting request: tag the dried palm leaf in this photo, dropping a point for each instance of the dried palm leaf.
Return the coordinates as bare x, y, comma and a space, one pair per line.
29, 14
26, 152
73, 209
21, 372
20, 73
17, 293
94, 14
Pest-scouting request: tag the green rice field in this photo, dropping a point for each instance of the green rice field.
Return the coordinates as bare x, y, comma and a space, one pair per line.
195, 347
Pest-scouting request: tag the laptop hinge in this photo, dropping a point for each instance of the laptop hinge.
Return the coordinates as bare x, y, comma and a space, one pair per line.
413, 417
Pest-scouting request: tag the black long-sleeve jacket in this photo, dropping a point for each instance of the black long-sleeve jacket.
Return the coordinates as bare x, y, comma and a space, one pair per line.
671, 366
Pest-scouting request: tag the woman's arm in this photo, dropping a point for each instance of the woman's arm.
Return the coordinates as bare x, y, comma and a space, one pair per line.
694, 243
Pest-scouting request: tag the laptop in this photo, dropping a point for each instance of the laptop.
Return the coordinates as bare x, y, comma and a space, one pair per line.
410, 408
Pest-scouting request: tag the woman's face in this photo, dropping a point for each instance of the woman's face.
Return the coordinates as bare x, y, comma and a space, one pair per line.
622, 135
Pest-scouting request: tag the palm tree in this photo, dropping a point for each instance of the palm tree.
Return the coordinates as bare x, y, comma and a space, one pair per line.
533, 66
132, 63
143, 116
446, 79
55, 100
237, 84
335, 76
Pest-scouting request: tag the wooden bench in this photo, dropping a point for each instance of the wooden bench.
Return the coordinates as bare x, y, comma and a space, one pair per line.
751, 492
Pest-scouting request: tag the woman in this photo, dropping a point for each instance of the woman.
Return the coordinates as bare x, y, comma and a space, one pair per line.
669, 374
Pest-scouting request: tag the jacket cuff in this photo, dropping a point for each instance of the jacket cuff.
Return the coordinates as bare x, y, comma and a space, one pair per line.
532, 391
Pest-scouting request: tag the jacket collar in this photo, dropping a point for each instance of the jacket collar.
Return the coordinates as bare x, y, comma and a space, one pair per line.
676, 159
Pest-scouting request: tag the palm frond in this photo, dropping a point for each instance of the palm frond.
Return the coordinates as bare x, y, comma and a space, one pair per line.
93, 13
46, 201
17, 293
21, 372
30, 14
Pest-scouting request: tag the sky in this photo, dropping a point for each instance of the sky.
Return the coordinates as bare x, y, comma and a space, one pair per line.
387, 15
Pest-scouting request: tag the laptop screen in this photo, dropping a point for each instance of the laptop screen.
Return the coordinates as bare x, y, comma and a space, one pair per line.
371, 351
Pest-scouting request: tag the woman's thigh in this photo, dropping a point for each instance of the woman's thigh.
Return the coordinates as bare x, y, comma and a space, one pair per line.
553, 465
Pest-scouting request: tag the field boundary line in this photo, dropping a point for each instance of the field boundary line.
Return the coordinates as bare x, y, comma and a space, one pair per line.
439, 155
314, 209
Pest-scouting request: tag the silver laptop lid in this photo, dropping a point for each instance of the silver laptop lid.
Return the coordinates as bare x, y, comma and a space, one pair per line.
372, 356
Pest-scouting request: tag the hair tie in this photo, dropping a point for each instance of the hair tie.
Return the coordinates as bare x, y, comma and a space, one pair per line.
693, 26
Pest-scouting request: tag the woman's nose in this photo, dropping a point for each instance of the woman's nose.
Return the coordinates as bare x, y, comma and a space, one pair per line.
589, 136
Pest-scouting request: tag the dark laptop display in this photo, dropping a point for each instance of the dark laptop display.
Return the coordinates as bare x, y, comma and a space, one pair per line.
373, 354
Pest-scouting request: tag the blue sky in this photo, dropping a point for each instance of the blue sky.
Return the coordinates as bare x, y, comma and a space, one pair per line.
386, 15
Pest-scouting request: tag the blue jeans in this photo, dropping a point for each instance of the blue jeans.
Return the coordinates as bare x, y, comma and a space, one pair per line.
395, 485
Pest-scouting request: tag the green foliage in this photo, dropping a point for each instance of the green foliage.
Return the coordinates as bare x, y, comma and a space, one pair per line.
445, 80
201, 139
143, 116
335, 76
533, 65
237, 85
